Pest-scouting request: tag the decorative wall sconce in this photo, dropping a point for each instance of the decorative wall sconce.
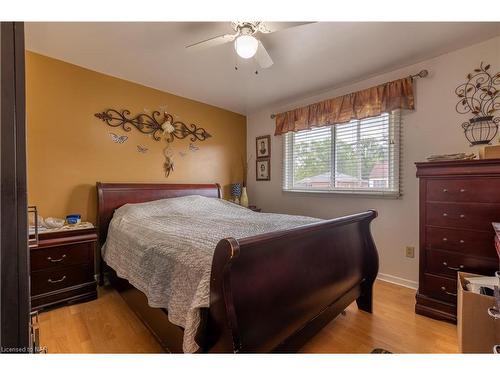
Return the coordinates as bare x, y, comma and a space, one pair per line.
156, 125
479, 96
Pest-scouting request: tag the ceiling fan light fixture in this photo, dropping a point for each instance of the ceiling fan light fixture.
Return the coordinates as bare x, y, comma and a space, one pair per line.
246, 46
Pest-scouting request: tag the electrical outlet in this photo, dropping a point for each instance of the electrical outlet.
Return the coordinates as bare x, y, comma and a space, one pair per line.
410, 252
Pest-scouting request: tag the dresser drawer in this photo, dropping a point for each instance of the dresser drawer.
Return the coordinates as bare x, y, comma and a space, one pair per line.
441, 288
461, 241
445, 263
477, 216
464, 190
54, 279
58, 256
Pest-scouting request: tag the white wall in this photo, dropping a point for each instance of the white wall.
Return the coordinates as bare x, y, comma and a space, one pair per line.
433, 128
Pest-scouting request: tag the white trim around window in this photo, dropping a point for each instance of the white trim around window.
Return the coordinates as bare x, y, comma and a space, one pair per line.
361, 157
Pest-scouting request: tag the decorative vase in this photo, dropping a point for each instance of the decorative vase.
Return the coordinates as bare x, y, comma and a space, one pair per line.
236, 192
481, 130
244, 197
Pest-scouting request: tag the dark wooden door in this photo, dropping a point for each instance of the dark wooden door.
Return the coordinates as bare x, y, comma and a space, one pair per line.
14, 274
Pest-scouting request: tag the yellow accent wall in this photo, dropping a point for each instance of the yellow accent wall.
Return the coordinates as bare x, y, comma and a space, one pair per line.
69, 149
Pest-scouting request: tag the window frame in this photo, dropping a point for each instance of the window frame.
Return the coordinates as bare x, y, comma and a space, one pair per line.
395, 137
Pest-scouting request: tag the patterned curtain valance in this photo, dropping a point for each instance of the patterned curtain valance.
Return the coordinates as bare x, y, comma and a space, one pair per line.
357, 105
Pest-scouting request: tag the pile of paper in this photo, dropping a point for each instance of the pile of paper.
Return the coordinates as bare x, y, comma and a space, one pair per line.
445, 157
482, 284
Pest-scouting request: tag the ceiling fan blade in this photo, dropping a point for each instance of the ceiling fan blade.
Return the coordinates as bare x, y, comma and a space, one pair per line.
262, 57
212, 42
271, 27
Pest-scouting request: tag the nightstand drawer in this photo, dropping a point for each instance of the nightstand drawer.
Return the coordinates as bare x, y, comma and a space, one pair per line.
54, 279
61, 256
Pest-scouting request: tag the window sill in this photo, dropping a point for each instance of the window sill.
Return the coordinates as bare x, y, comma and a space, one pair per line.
362, 194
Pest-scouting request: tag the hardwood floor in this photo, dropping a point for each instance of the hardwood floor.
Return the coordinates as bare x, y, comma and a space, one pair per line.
393, 326
106, 325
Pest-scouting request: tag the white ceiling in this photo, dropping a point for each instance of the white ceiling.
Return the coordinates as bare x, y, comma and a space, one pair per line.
307, 58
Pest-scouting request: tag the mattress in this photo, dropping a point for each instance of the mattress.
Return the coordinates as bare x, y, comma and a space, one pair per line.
164, 248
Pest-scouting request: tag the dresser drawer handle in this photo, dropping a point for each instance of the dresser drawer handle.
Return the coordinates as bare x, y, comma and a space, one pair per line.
445, 239
56, 260
460, 267
449, 293
462, 216
445, 190
462, 190
461, 241
57, 281
445, 214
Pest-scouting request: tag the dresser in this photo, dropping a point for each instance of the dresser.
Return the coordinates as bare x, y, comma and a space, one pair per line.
62, 268
458, 202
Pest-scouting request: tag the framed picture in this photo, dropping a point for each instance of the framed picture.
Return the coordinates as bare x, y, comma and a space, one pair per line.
263, 172
263, 146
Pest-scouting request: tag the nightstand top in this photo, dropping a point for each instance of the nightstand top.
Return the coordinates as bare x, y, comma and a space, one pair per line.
66, 233
56, 238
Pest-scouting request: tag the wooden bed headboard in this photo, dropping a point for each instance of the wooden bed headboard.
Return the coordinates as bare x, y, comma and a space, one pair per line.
111, 196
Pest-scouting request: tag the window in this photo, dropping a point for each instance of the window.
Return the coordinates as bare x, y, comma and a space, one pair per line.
361, 156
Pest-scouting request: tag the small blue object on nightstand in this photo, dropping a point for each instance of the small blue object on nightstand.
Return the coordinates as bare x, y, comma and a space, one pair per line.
73, 219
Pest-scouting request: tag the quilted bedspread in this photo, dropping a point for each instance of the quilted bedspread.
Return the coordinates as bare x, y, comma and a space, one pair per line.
164, 248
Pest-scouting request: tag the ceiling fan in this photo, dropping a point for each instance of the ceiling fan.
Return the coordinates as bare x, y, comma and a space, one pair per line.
245, 42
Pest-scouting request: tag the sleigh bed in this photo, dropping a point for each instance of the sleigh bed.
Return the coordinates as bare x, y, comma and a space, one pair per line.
318, 269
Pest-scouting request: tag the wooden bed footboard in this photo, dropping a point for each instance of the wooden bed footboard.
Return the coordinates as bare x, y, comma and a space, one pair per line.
272, 292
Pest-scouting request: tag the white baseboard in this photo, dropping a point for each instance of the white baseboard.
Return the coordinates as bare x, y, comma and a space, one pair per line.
398, 280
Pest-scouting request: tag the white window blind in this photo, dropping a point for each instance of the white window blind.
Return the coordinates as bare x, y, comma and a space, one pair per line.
361, 156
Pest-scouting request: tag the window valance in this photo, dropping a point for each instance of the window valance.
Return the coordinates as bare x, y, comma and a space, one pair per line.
358, 105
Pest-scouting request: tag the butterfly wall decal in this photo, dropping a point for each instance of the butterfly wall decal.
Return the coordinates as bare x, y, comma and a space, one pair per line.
118, 138
142, 149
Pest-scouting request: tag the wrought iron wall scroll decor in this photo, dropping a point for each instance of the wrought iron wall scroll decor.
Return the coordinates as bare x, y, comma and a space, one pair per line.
157, 126
154, 124
479, 96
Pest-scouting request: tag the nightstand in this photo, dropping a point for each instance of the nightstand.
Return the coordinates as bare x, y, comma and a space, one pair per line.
62, 268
